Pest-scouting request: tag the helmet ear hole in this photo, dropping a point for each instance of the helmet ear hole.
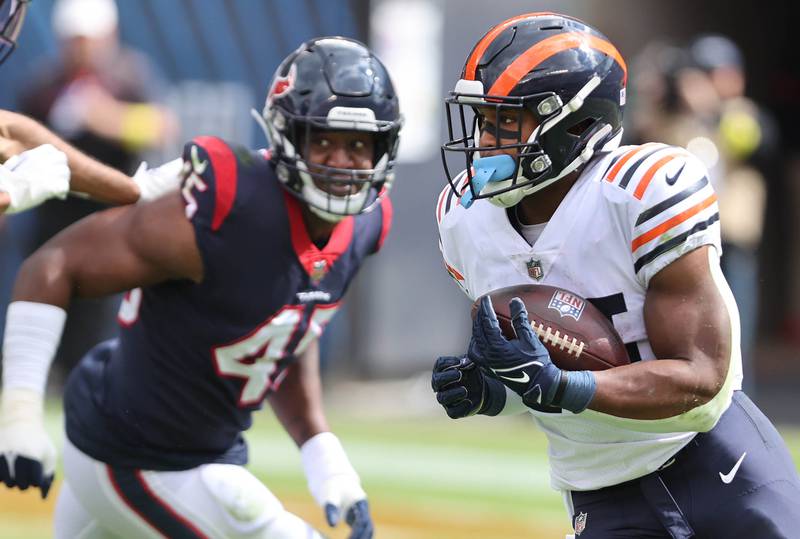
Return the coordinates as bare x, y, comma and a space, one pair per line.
579, 128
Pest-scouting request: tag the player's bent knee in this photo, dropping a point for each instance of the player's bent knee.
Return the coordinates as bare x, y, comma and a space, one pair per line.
248, 506
246, 502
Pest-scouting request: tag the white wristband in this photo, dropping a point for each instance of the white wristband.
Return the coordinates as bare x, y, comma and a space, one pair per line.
33, 331
323, 457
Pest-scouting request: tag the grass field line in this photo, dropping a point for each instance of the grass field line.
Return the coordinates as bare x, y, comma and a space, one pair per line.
416, 464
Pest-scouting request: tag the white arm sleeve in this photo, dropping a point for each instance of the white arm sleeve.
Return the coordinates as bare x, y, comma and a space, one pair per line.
33, 331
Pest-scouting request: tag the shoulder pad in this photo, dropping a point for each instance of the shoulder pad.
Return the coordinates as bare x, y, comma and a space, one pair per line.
448, 199
212, 170
676, 210
633, 167
387, 212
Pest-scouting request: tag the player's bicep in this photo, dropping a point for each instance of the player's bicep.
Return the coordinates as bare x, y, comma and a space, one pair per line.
687, 316
127, 247
298, 401
163, 240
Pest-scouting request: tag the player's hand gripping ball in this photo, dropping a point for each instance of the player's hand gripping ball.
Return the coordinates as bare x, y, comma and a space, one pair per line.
576, 334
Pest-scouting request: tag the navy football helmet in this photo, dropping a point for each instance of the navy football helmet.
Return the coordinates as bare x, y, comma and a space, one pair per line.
12, 15
560, 69
332, 83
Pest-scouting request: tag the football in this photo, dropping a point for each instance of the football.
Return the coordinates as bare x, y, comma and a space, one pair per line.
577, 335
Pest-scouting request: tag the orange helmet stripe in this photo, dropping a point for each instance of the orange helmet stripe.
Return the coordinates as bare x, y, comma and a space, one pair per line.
547, 48
483, 44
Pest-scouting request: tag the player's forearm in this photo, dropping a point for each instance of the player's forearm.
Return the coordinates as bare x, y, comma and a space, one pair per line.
5, 200
654, 389
298, 401
88, 175
298, 414
99, 181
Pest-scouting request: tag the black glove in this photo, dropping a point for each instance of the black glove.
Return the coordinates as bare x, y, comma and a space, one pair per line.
360, 521
464, 389
524, 365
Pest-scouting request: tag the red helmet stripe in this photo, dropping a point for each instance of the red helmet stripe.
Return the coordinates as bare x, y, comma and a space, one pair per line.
483, 44
547, 48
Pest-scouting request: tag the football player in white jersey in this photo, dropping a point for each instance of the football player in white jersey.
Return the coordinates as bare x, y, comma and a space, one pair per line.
38, 165
666, 448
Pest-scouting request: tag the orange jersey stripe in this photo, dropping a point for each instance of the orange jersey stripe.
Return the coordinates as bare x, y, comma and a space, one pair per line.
461, 182
650, 235
651, 172
483, 44
621, 163
453, 272
547, 48
462, 187
442, 197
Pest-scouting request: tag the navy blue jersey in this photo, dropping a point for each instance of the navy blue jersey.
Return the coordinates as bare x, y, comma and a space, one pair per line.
194, 360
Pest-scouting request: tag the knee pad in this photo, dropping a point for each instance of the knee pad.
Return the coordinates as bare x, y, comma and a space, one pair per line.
246, 502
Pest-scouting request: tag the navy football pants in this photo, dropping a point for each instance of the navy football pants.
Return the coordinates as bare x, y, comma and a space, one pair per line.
703, 494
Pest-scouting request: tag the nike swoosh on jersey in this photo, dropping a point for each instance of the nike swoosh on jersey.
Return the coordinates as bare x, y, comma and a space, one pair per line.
524, 379
672, 179
727, 478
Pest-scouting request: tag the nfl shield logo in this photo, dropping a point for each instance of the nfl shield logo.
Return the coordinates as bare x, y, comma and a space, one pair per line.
318, 270
567, 304
580, 523
535, 270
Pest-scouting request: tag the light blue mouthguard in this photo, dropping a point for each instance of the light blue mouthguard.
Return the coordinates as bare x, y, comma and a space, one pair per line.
488, 169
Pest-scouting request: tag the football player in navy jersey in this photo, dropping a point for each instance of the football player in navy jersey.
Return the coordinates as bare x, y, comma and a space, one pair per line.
668, 446
231, 282
38, 165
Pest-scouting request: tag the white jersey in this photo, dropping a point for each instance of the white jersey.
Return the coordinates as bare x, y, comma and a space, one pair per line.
630, 213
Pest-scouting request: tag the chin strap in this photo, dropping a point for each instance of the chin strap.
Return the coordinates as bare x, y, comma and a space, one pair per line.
512, 198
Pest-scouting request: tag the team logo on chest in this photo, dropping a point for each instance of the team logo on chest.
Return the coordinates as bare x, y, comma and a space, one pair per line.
567, 304
535, 270
318, 270
580, 523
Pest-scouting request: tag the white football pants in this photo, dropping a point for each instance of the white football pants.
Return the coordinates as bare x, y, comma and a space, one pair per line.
210, 501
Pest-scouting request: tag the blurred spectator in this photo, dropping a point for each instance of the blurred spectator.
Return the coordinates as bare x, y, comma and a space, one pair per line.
101, 97
694, 97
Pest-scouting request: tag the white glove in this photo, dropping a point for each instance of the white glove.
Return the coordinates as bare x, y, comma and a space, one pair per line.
27, 455
154, 182
335, 485
34, 176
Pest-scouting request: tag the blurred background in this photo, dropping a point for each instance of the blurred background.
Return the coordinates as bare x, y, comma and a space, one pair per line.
721, 78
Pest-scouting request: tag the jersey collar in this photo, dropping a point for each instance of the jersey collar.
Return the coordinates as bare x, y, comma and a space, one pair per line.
317, 262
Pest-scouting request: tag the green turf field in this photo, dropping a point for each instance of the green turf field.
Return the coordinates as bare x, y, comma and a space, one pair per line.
427, 478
